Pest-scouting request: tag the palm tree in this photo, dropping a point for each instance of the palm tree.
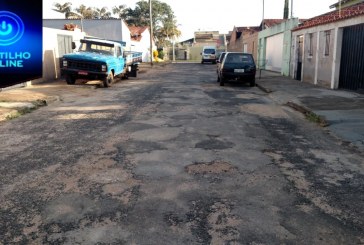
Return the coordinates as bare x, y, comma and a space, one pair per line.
63, 8
102, 13
85, 12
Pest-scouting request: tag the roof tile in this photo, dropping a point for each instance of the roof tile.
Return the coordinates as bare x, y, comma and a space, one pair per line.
333, 16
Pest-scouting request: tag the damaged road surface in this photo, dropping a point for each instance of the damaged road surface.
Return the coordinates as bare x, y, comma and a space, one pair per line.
173, 158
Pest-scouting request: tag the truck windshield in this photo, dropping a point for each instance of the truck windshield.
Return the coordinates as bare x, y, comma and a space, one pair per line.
97, 48
209, 51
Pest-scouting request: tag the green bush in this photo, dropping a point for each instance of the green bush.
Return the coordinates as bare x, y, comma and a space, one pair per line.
161, 54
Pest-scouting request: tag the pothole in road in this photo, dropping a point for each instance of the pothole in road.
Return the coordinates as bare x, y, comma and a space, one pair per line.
214, 167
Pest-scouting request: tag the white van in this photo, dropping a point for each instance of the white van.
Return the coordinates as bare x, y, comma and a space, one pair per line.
208, 54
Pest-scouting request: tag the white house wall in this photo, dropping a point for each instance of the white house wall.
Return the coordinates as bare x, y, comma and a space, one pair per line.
318, 68
274, 50
51, 55
143, 45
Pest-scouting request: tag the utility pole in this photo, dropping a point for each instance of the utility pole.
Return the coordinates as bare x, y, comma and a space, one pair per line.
151, 32
263, 17
291, 9
285, 11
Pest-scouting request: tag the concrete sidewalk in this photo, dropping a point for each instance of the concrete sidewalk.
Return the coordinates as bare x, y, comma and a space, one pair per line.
21, 100
343, 111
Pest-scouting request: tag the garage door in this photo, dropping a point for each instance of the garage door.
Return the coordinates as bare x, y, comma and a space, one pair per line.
352, 58
274, 50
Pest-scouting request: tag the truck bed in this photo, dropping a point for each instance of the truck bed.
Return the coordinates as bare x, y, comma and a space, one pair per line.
133, 57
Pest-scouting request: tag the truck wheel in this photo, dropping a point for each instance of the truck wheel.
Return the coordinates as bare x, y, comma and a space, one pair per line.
70, 80
108, 80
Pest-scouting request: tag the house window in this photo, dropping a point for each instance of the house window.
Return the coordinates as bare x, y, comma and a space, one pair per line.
327, 43
310, 44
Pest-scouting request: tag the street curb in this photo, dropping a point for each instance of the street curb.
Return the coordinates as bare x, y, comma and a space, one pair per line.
266, 90
310, 115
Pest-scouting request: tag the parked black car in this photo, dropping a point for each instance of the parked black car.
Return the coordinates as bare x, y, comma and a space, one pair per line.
237, 67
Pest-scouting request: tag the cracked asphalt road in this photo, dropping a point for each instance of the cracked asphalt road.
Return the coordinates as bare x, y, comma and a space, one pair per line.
173, 158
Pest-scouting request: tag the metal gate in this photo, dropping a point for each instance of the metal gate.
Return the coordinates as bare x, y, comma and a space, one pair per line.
352, 58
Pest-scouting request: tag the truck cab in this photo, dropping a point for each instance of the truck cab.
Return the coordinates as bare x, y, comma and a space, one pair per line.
99, 60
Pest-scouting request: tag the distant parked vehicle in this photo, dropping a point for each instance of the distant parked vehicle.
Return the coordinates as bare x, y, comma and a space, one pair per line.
237, 67
208, 54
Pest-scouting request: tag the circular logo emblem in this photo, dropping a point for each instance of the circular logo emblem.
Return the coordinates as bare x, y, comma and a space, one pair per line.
11, 28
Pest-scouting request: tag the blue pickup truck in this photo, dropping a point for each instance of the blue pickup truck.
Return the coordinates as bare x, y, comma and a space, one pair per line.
98, 59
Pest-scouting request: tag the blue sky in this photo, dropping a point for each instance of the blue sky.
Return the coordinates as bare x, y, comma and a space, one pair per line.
209, 15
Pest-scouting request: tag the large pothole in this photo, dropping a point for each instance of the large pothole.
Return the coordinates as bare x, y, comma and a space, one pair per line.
214, 167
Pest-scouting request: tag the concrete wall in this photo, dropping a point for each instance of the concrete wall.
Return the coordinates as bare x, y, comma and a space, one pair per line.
318, 68
274, 51
282, 28
51, 52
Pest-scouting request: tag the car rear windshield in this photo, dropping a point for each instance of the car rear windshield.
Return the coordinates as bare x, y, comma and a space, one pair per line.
239, 58
209, 51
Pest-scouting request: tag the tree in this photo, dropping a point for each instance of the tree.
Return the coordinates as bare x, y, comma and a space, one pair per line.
102, 13
85, 12
163, 21
63, 8
118, 10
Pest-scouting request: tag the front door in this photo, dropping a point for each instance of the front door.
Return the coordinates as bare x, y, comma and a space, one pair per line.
299, 58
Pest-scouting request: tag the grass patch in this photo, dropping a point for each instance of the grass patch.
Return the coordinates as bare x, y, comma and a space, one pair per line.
312, 117
25, 110
20, 112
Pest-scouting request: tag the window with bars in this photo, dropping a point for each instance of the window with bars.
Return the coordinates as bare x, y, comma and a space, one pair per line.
327, 43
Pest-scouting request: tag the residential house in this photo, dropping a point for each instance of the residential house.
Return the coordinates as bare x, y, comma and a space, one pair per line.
274, 45
244, 39
140, 41
56, 43
328, 50
111, 29
345, 3
206, 38
191, 49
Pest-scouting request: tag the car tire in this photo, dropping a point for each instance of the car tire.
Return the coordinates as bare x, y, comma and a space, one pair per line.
70, 80
222, 82
252, 83
107, 81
